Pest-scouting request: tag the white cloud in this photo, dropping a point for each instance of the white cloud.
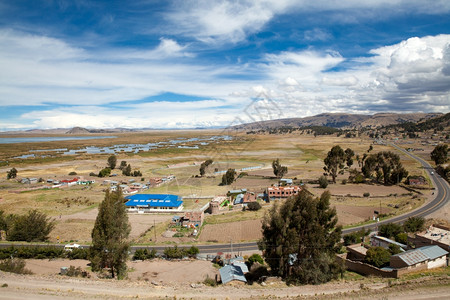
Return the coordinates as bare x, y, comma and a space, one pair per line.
222, 21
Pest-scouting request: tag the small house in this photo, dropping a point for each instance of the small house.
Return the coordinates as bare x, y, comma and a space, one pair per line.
232, 275
429, 256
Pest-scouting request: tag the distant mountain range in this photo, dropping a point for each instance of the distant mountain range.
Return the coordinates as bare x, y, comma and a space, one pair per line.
341, 121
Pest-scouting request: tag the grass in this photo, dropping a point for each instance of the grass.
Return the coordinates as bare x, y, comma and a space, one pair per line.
303, 155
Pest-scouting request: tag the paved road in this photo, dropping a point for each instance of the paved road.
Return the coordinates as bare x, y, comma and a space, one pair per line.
442, 193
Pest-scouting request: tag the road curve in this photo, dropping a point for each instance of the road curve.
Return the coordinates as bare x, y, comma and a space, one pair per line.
442, 194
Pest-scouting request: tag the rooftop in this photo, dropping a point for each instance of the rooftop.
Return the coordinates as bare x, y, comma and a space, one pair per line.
418, 255
437, 234
153, 200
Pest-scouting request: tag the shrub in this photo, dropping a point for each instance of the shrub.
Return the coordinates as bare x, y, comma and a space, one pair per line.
414, 224
323, 182
255, 257
366, 194
14, 265
378, 257
104, 172
76, 272
144, 254
209, 281
389, 230
73, 173
253, 206
78, 253
34, 226
401, 238
93, 174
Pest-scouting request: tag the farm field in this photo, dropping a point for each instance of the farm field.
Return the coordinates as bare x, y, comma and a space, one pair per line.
75, 208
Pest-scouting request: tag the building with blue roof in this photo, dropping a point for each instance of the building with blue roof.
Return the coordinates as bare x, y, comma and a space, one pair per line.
144, 203
428, 257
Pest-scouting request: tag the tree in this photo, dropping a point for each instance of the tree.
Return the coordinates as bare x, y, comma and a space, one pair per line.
378, 257
109, 237
228, 177
334, 161
300, 239
112, 161
104, 172
323, 182
127, 170
123, 165
414, 224
439, 154
349, 153
11, 173
387, 166
253, 206
389, 230
278, 170
32, 227
204, 165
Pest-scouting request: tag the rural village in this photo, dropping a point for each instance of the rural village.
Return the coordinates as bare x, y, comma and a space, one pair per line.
186, 204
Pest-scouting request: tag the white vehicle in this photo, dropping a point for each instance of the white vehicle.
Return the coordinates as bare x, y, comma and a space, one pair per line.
432, 173
70, 247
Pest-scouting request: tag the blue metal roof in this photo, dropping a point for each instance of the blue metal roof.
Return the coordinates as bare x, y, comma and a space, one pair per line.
153, 200
230, 273
421, 254
433, 251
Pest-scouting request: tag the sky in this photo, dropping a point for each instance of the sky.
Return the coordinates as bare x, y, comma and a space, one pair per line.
196, 64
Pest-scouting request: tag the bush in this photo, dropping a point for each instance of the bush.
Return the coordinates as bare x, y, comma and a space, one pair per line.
355, 237
366, 194
78, 253
401, 238
253, 206
14, 265
378, 257
144, 254
93, 174
76, 272
323, 182
104, 172
32, 227
414, 224
209, 281
389, 230
73, 173
255, 257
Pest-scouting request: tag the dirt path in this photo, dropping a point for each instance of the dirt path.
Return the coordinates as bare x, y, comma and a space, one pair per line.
57, 287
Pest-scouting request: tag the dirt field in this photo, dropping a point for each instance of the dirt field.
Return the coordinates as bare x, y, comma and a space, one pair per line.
235, 231
182, 280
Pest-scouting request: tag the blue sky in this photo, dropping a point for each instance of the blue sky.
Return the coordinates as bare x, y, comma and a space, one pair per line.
186, 64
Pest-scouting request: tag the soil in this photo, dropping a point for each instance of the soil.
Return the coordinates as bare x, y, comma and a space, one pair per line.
183, 279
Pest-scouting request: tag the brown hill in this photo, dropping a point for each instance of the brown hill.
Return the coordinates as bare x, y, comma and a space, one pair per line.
78, 130
340, 120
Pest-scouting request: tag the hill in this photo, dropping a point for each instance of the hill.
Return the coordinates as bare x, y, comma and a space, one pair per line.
341, 121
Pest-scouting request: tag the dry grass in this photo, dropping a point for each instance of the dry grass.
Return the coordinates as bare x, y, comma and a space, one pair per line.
302, 154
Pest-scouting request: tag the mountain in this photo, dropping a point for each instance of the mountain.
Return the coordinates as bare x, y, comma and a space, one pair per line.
340, 120
78, 130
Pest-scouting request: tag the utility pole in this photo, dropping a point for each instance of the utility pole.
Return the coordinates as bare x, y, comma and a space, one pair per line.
231, 248
154, 228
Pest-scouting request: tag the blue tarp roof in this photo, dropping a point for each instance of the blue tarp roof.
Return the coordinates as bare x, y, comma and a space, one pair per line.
153, 200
